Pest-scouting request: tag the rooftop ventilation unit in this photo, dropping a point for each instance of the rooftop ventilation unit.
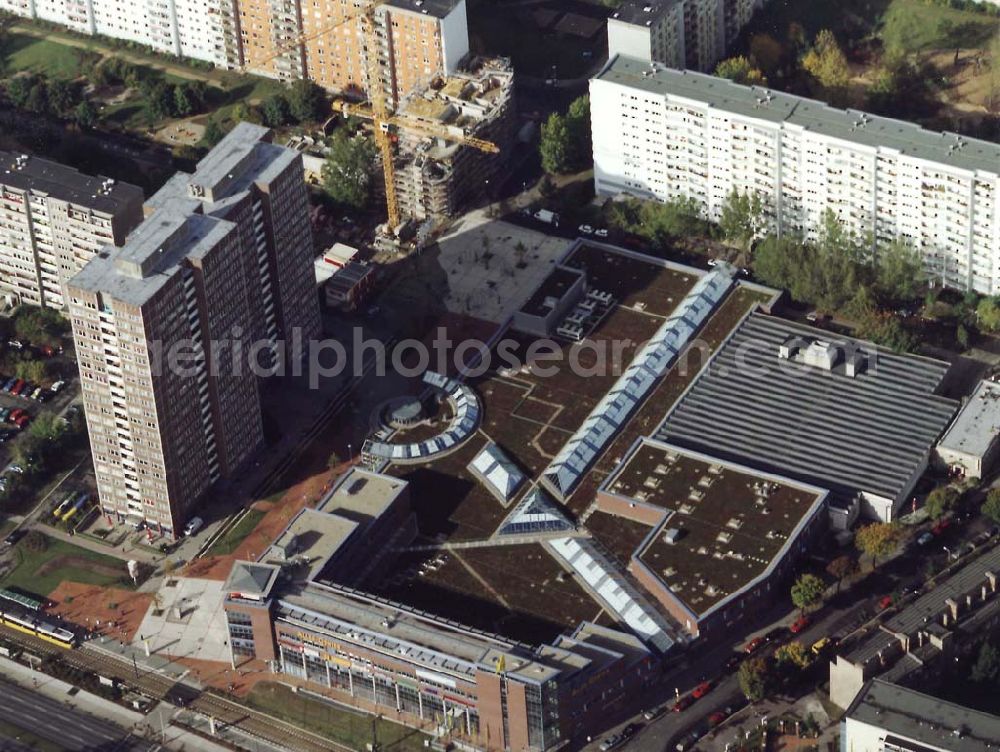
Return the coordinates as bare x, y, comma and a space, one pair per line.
672, 535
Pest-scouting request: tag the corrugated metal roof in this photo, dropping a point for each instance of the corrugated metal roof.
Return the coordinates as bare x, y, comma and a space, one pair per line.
866, 433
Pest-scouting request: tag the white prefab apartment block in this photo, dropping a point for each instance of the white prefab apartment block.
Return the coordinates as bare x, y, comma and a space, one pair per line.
887, 717
661, 134
198, 29
53, 220
678, 33
652, 30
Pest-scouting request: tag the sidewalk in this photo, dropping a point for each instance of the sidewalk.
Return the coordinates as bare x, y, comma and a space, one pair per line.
156, 726
125, 553
156, 663
58, 690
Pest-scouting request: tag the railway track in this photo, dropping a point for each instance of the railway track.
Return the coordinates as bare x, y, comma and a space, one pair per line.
223, 710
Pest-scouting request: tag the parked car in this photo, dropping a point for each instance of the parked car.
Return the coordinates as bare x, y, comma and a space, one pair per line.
688, 741
585, 230
194, 525
682, 704
925, 538
734, 661
799, 624
940, 526
884, 602
611, 742
754, 645
57, 385
701, 690
601, 232
820, 645
653, 713
13, 537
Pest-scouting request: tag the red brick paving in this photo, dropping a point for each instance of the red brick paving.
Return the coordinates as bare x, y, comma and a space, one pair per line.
279, 513
86, 604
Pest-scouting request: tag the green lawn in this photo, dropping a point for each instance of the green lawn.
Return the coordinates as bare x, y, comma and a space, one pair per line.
911, 25
236, 534
914, 26
79, 565
340, 724
27, 53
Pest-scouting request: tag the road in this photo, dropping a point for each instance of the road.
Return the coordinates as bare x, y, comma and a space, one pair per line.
60, 724
844, 613
160, 687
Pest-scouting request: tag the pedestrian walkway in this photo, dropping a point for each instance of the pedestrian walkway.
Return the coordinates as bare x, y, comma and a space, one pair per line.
126, 553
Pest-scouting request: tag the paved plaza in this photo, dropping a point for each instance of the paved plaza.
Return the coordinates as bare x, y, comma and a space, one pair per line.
186, 620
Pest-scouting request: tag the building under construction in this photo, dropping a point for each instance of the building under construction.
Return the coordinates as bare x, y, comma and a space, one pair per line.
436, 178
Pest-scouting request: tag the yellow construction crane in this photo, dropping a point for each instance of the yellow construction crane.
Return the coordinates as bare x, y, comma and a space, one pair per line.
383, 120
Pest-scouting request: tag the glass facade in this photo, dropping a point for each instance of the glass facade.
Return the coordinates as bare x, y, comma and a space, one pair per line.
241, 634
429, 703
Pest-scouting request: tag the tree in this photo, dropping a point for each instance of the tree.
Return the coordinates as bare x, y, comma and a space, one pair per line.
157, 100
827, 64
183, 104
740, 70
793, 654
742, 217
85, 114
755, 679
349, 169
31, 370
578, 123
988, 314
18, 89
991, 507
248, 113
885, 329
213, 133
274, 111
39, 326
878, 539
38, 97
766, 52
305, 100
63, 95
987, 665
941, 500
807, 591
899, 271
556, 145
566, 142
962, 336
841, 568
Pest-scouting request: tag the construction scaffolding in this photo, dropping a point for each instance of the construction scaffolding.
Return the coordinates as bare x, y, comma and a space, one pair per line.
436, 177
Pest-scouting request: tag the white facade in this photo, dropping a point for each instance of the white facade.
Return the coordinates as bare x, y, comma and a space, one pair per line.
647, 35
887, 717
678, 33
455, 37
53, 220
662, 134
196, 29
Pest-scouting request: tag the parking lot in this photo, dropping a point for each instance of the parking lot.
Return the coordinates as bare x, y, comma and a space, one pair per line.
49, 401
